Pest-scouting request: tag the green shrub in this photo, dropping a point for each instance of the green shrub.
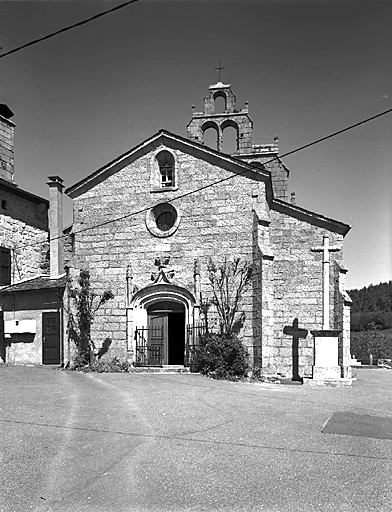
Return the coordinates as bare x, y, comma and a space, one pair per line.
373, 342
258, 374
99, 366
370, 320
112, 366
222, 357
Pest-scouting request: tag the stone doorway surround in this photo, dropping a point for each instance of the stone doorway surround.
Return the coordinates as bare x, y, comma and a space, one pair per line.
148, 299
168, 319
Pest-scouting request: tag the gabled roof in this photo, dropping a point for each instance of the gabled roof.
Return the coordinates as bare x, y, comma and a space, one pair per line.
173, 141
38, 283
311, 217
230, 163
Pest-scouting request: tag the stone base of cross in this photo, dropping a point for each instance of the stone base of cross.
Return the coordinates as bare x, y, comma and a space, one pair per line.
326, 364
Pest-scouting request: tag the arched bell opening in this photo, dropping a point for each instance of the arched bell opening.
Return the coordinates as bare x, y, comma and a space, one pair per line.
230, 137
220, 102
211, 135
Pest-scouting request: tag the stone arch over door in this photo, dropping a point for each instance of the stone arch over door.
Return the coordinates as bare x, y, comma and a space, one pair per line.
166, 308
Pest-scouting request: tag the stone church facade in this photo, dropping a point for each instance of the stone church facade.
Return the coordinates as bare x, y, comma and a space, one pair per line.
146, 225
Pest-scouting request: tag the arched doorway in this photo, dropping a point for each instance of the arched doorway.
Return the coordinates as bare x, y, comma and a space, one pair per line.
166, 331
159, 317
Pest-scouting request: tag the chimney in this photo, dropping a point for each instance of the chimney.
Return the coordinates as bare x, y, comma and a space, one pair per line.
7, 128
56, 226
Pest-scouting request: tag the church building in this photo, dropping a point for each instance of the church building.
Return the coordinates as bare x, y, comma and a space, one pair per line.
146, 225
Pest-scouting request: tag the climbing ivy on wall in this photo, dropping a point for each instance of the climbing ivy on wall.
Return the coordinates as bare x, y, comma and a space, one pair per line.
85, 304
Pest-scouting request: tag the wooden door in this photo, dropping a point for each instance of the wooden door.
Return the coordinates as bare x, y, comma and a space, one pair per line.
51, 338
158, 337
2, 339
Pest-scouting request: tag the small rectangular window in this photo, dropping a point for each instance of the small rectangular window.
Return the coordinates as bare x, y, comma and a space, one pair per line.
3, 204
166, 175
5, 266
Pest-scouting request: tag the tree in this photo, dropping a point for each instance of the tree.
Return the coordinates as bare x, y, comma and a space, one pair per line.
223, 355
372, 306
228, 282
86, 304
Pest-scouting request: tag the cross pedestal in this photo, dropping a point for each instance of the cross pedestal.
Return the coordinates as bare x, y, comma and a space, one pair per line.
326, 364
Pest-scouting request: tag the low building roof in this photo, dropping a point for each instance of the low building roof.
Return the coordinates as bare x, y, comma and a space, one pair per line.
14, 189
36, 284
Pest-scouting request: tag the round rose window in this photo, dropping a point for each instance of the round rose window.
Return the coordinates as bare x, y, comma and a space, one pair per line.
165, 221
162, 220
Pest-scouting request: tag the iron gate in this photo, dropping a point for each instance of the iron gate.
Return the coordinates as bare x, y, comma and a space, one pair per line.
194, 335
149, 346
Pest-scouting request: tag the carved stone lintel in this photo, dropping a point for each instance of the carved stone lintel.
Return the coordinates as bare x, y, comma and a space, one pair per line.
163, 276
162, 261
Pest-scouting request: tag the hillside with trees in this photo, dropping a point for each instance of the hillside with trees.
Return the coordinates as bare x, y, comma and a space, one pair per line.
371, 307
371, 322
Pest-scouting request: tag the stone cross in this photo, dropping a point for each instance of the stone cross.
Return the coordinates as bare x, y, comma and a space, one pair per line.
297, 333
219, 69
326, 249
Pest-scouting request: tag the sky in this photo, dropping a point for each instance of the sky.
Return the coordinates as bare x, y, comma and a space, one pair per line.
307, 68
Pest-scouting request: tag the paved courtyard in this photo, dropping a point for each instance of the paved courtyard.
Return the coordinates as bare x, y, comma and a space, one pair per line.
164, 442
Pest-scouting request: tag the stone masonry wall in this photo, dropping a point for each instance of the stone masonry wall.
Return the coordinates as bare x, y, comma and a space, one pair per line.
279, 173
215, 222
297, 275
29, 247
6, 149
22, 209
231, 219
342, 321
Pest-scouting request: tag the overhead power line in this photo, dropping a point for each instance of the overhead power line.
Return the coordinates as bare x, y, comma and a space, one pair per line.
181, 196
65, 29
338, 132
134, 213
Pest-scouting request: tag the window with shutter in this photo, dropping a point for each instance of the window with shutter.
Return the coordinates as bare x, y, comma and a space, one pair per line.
5, 266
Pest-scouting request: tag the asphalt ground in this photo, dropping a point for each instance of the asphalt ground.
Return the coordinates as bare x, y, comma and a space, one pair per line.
168, 442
